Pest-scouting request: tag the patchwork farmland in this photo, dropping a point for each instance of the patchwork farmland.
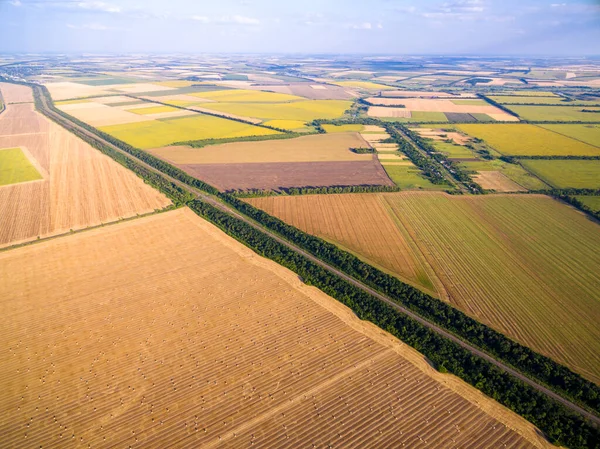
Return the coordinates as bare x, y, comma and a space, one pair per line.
240, 353
80, 186
488, 237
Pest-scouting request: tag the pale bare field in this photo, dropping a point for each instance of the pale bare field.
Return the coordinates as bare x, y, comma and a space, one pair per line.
82, 187
15, 93
179, 97
165, 331
430, 105
313, 148
97, 114
373, 138
504, 117
440, 134
141, 87
381, 111
497, 181
113, 99
373, 129
420, 94
66, 90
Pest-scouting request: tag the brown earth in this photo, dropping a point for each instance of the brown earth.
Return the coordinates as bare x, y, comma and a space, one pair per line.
290, 174
82, 188
163, 332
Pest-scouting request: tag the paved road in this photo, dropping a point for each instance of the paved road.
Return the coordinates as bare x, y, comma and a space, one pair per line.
218, 204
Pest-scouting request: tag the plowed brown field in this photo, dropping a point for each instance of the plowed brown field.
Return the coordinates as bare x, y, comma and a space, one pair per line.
83, 187
163, 332
275, 175
526, 265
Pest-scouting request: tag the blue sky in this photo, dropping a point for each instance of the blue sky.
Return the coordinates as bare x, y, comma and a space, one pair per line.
555, 27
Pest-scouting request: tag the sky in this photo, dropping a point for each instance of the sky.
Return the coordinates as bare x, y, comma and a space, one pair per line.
457, 27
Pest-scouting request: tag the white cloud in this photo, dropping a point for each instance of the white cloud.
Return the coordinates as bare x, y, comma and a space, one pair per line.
15, 3
243, 20
202, 19
98, 6
88, 26
361, 26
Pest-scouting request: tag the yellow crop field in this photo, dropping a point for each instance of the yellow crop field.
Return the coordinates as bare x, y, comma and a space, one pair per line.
246, 96
313, 148
363, 85
343, 128
586, 133
528, 140
158, 133
164, 331
548, 251
300, 110
286, 124
153, 110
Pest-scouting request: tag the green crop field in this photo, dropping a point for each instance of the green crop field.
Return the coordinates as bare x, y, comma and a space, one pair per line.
409, 177
514, 172
557, 113
528, 140
564, 174
15, 167
452, 150
586, 133
593, 202
300, 110
158, 133
153, 110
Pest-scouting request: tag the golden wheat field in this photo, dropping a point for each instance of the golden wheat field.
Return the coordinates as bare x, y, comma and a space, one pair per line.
474, 245
314, 148
165, 331
81, 186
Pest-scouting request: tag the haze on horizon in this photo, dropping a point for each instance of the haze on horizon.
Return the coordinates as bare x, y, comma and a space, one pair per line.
482, 27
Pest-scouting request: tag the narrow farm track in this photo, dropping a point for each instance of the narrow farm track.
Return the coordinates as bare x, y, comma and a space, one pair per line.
214, 202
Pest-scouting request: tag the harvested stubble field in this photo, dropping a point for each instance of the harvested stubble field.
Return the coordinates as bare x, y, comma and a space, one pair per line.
564, 174
550, 253
313, 148
81, 186
528, 140
158, 133
275, 175
441, 134
201, 343
496, 180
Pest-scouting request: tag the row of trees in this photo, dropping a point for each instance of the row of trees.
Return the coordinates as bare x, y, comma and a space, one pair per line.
453, 168
205, 142
309, 190
560, 424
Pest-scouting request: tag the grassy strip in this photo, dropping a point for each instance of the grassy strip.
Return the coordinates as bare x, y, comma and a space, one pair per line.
205, 142
560, 424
